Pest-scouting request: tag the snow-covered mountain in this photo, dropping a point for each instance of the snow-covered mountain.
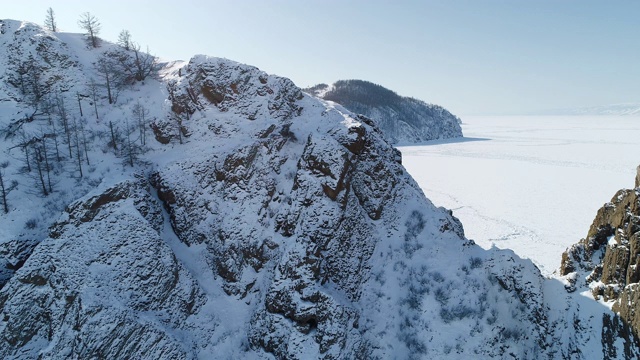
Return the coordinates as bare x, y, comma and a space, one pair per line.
403, 120
253, 221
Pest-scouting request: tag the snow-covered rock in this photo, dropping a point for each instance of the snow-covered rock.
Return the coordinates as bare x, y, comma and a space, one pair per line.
262, 223
606, 264
105, 285
403, 120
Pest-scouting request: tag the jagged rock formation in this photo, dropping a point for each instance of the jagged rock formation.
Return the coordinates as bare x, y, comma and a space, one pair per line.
606, 261
264, 223
105, 285
403, 120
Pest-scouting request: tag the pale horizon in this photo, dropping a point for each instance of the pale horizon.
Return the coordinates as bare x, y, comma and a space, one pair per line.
471, 57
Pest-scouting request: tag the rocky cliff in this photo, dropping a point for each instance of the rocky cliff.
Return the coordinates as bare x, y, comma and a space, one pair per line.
260, 223
403, 120
606, 261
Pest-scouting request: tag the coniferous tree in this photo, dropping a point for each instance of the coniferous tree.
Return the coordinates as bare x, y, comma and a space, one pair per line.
91, 25
50, 21
124, 39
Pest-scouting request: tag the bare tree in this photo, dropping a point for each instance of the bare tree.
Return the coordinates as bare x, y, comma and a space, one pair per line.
53, 134
83, 134
93, 94
50, 21
124, 39
5, 188
45, 153
34, 158
135, 64
144, 64
24, 145
130, 149
64, 119
48, 108
141, 115
79, 98
110, 72
34, 89
114, 137
91, 25
77, 145
40, 167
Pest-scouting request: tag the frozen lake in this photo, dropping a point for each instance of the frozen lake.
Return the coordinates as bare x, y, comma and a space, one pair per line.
531, 184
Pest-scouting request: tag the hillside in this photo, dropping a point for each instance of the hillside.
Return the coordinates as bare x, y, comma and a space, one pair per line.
403, 120
211, 210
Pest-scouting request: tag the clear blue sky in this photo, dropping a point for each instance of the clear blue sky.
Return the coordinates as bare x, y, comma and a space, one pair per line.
471, 56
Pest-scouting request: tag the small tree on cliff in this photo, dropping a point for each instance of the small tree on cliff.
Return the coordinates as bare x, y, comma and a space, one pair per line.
5, 187
50, 21
91, 25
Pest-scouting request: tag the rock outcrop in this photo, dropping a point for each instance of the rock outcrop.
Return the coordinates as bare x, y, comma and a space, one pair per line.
403, 120
104, 285
607, 260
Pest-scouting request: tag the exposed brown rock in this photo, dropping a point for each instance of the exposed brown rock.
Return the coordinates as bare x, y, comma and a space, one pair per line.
609, 255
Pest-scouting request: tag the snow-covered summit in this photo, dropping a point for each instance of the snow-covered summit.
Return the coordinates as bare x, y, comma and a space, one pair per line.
212, 210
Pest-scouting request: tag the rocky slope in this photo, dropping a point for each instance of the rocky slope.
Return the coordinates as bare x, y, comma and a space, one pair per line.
260, 223
403, 120
606, 261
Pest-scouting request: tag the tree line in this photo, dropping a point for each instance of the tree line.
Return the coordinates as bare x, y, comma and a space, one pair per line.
63, 142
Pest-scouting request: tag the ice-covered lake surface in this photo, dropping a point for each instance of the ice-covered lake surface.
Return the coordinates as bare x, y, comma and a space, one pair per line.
531, 184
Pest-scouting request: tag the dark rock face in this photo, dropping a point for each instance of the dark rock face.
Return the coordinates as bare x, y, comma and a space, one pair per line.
403, 120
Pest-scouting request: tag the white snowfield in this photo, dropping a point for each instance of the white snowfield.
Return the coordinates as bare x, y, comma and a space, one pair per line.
532, 184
